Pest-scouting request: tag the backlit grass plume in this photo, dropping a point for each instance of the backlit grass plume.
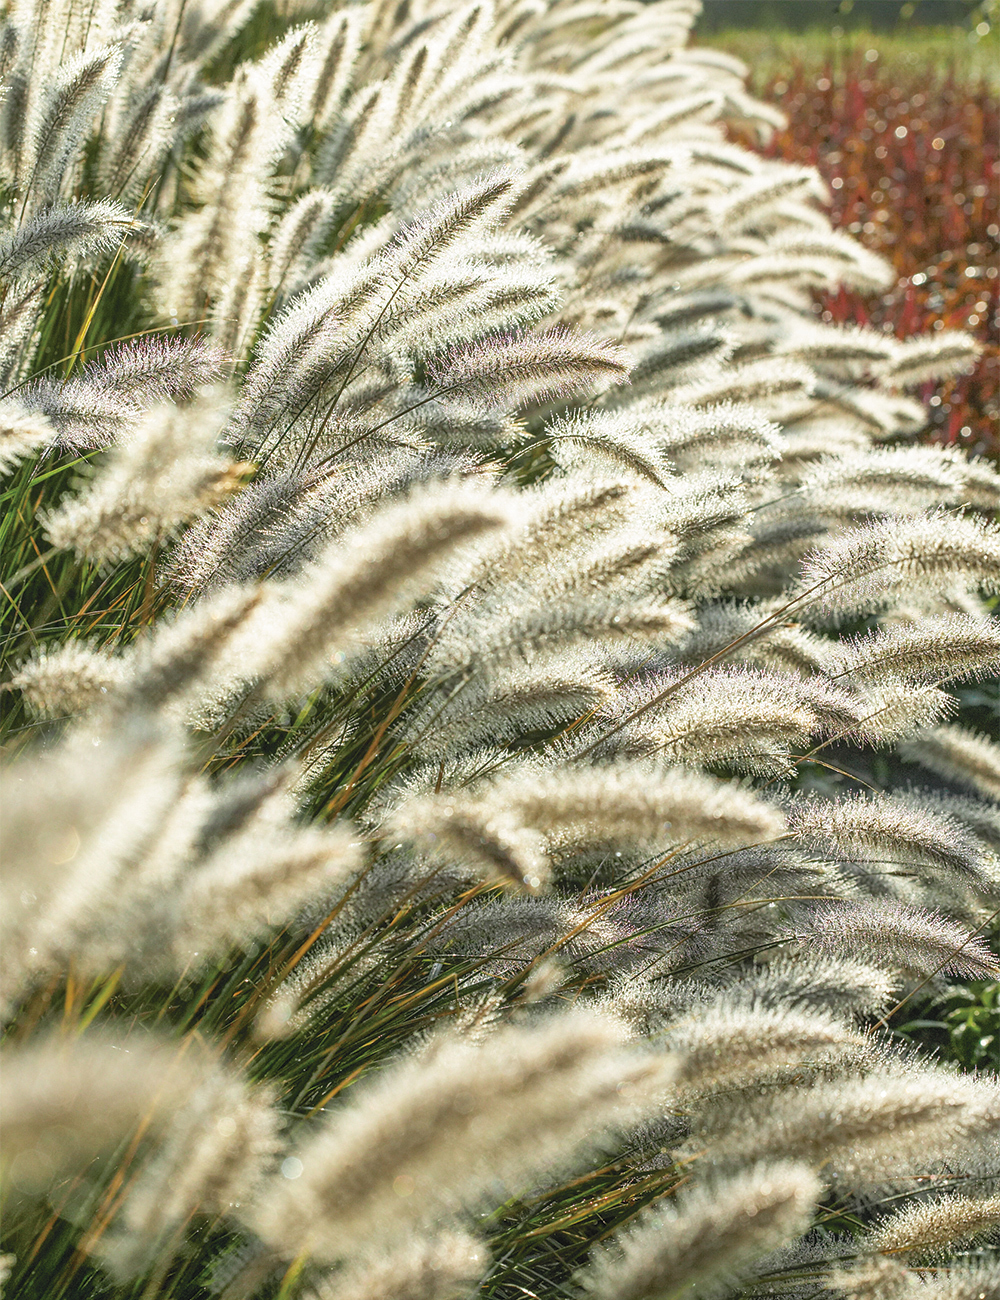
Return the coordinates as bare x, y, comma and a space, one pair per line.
483, 776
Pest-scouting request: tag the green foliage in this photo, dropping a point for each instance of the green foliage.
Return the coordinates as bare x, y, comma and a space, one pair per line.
962, 1024
935, 52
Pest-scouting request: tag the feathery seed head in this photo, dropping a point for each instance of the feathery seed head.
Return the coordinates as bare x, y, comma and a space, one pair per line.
863, 569
444, 1126
68, 1101
445, 1267
931, 358
481, 836
361, 577
876, 1130
925, 1228
942, 648
634, 803
729, 1045
94, 227
886, 932
22, 434
255, 883
889, 829
165, 473
708, 1237
524, 369
959, 755
68, 679
213, 1155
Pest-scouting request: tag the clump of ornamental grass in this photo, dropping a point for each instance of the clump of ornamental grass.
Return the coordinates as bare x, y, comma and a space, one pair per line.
481, 786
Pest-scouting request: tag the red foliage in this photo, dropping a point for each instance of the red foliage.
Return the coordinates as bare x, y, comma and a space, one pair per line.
911, 158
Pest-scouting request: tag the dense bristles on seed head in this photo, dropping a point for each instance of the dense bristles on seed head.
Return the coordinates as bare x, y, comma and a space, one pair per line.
873, 1131
904, 938
58, 683
164, 474
521, 369
469, 832
214, 1153
944, 648
550, 692
925, 1228
443, 1127
732, 1045
483, 202
890, 829
255, 883
445, 1267
81, 1099
79, 89
633, 803
745, 717
864, 569
918, 360
22, 434
86, 227
708, 1236
361, 578
960, 755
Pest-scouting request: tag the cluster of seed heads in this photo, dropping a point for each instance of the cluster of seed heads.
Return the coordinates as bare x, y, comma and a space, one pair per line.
483, 802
